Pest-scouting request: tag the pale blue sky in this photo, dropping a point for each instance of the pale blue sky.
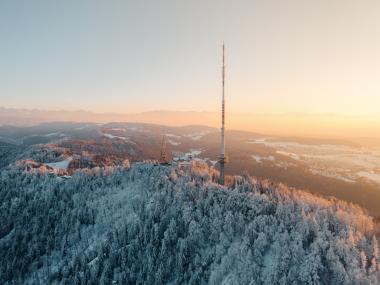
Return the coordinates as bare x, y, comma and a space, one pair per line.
126, 56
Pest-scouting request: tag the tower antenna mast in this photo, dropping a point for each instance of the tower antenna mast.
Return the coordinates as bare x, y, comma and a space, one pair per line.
222, 159
163, 156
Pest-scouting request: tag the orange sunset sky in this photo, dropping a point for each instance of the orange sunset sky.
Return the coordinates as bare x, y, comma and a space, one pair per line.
315, 58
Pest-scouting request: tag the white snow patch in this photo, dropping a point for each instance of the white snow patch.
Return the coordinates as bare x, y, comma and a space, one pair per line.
192, 154
258, 140
260, 158
64, 164
195, 152
118, 129
173, 136
131, 128
196, 136
257, 158
370, 175
331, 174
110, 136
172, 142
342, 162
52, 134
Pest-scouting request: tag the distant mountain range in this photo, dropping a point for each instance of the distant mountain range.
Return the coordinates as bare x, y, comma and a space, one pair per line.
314, 125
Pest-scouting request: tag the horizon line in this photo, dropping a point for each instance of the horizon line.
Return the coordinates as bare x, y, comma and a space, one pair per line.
187, 111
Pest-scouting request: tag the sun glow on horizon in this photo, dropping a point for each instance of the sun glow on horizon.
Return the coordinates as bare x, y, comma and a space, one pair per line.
125, 57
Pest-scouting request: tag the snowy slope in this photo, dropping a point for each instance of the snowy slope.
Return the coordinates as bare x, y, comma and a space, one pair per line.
165, 225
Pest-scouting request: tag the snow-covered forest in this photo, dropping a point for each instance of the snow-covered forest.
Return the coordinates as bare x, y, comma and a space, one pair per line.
153, 224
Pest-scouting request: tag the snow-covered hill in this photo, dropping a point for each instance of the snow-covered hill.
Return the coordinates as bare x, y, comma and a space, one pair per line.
164, 225
339, 168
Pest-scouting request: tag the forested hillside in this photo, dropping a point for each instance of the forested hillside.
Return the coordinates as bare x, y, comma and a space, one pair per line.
154, 224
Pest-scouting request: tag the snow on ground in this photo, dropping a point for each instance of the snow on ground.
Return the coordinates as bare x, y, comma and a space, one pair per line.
370, 175
197, 136
309, 148
117, 129
260, 158
194, 137
110, 136
52, 134
194, 152
331, 174
131, 128
259, 140
64, 164
333, 154
335, 161
173, 142
173, 136
289, 154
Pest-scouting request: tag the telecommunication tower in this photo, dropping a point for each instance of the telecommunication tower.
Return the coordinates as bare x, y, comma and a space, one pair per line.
222, 158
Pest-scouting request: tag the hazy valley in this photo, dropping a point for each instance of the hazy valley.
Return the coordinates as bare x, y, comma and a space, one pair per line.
348, 170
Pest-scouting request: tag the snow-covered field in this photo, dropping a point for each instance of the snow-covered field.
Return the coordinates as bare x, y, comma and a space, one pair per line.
173, 136
335, 161
370, 175
290, 154
196, 136
173, 142
192, 136
64, 164
110, 136
259, 158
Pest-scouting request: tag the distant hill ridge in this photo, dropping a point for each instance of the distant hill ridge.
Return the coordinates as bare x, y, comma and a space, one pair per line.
322, 125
